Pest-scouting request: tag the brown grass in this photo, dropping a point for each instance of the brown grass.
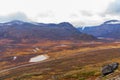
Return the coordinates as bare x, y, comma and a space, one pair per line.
76, 61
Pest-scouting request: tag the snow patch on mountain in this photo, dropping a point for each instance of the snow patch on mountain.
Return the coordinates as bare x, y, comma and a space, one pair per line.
39, 58
118, 22
112, 22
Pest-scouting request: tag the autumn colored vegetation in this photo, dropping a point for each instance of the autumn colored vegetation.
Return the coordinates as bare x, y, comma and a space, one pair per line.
69, 60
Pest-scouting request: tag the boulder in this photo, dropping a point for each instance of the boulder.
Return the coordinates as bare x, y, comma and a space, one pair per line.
109, 68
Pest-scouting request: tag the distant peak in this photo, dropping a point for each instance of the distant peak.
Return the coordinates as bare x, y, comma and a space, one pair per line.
17, 21
112, 22
65, 24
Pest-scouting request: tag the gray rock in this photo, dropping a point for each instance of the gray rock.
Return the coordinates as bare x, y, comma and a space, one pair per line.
109, 68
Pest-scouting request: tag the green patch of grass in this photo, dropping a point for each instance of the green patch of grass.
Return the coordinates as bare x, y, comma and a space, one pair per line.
29, 75
80, 75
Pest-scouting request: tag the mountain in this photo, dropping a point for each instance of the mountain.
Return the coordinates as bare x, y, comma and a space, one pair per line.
109, 29
18, 30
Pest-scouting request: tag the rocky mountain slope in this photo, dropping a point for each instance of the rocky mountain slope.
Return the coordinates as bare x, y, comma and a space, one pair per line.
18, 30
109, 29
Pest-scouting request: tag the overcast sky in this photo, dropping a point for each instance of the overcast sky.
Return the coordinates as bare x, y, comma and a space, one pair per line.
78, 12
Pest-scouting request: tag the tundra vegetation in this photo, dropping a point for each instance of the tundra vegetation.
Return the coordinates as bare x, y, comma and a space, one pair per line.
73, 61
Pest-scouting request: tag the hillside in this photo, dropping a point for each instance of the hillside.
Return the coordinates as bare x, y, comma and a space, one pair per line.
109, 29
81, 62
18, 30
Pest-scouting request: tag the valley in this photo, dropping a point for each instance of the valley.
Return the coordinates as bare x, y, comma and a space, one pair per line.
38, 51
68, 60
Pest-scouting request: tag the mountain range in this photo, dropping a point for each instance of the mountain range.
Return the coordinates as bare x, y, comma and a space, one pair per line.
18, 30
109, 29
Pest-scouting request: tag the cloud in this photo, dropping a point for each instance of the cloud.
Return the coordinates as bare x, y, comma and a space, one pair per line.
86, 13
114, 8
14, 16
48, 14
78, 12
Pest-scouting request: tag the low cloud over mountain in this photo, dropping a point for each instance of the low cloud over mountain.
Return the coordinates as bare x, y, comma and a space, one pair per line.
15, 16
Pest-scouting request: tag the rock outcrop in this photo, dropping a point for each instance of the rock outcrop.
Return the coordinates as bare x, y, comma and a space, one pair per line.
109, 68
